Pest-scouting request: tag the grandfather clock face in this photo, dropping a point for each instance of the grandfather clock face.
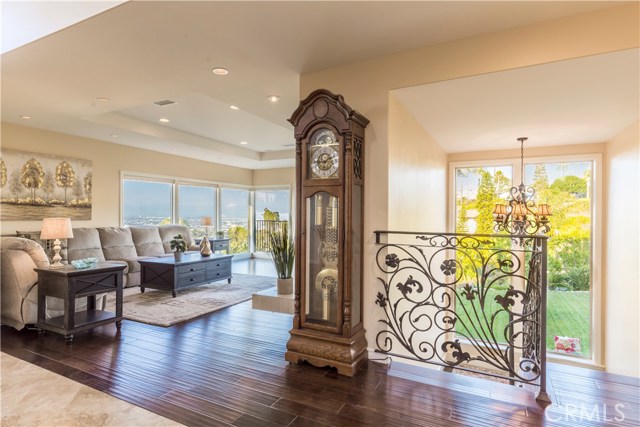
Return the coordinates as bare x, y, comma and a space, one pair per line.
323, 158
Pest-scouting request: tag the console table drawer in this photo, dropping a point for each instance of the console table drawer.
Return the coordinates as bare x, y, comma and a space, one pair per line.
191, 268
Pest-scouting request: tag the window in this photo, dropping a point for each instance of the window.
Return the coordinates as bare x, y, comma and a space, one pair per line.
146, 202
569, 187
156, 200
194, 203
234, 218
272, 213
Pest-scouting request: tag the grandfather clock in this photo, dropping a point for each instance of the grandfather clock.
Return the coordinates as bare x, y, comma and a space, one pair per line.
327, 322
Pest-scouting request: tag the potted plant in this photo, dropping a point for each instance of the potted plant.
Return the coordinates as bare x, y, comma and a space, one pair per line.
282, 252
179, 246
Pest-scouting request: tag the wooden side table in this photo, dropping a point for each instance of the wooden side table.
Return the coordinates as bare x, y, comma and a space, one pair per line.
69, 283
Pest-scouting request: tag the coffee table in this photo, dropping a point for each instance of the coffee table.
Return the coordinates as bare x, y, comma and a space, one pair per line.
167, 274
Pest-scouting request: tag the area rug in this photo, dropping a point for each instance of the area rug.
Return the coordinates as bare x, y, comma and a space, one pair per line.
160, 308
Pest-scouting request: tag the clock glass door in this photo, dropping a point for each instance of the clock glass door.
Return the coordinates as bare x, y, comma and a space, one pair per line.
321, 293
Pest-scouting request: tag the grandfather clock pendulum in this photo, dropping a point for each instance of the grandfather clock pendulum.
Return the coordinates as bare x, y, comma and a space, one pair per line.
327, 323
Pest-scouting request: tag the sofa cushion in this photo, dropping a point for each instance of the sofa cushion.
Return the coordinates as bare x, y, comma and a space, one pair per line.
85, 243
168, 232
133, 266
147, 241
117, 243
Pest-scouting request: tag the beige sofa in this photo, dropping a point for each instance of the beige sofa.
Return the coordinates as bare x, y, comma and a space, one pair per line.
18, 283
127, 245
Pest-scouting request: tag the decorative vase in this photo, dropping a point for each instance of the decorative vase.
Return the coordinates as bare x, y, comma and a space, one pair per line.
285, 286
205, 247
178, 256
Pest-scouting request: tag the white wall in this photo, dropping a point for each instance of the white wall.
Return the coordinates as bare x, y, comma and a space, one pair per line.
622, 254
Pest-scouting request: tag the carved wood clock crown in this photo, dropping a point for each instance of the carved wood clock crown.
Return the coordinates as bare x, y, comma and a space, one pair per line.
327, 323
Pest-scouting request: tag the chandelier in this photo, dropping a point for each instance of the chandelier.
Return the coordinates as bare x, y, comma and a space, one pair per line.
520, 215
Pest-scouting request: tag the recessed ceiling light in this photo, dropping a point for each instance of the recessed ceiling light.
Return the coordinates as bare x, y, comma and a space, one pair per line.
26, 117
243, 142
163, 120
220, 71
233, 107
273, 98
102, 99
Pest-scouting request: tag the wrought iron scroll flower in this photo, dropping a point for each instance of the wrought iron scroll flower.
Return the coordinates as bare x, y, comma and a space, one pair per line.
381, 300
392, 260
407, 286
469, 291
448, 267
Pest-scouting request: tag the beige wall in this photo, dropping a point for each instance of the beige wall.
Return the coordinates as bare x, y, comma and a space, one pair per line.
366, 85
417, 172
621, 254
108, 160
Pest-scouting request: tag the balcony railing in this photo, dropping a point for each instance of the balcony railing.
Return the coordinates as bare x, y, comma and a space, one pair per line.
468, 302
263, 229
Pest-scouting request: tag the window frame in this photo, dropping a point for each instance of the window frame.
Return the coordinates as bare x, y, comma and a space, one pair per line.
597, 220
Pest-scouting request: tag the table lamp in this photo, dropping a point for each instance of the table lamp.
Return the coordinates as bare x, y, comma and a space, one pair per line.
56, 228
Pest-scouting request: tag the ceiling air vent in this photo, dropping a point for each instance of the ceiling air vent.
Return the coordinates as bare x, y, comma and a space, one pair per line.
289, 145
164, 102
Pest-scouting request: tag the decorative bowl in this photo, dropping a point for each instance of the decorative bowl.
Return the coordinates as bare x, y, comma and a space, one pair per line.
81, 264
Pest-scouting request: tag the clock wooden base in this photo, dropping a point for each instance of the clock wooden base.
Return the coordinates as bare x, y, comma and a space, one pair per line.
320, 349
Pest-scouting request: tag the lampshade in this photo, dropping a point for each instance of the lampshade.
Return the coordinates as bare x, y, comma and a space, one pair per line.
206, 220
519, 209
56, 228
500, 209
544, 209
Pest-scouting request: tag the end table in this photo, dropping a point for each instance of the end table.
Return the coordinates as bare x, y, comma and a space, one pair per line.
69, 283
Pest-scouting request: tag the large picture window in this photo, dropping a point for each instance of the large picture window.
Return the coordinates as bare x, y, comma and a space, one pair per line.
569, 187
234, 218
146, 202
235, 212
196, 202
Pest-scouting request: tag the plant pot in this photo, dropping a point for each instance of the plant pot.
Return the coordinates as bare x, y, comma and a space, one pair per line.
285, 286
178, 256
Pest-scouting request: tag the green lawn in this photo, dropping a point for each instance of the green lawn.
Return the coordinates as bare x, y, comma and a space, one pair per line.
568, 314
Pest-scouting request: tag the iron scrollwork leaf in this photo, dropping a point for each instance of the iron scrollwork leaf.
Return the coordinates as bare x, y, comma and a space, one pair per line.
408, 285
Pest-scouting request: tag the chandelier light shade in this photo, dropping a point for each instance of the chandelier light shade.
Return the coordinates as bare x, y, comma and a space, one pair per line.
520, 215
56, 229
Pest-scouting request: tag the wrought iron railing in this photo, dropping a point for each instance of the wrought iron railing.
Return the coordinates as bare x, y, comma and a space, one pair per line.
469, 302
263, 228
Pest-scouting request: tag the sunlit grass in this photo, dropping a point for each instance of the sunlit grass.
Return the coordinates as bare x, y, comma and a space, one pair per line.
568, 315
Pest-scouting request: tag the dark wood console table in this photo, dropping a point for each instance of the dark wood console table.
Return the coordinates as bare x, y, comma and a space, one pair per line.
69, 283
217, 245
166, 274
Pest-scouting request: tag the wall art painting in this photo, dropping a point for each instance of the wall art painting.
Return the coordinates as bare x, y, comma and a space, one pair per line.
35, 186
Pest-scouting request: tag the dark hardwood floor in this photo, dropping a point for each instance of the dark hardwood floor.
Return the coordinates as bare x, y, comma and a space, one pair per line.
227, 368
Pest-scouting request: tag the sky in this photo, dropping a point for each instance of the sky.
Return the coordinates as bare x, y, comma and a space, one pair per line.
144, 198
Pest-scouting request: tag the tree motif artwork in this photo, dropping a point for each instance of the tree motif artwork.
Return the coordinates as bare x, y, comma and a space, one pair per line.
32, 177
65, 177
36, 186
3, 174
